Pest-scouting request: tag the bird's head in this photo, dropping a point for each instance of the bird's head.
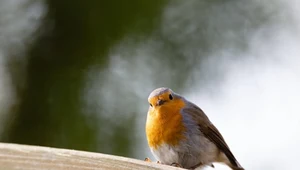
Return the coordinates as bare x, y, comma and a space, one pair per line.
163, 101
161, 97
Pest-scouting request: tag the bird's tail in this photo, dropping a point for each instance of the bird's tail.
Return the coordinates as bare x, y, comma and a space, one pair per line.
237, 166
231, 162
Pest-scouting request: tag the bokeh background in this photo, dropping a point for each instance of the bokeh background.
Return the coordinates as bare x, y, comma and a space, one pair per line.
77, 74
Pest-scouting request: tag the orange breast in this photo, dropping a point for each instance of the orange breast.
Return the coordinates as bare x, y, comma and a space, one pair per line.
164, 124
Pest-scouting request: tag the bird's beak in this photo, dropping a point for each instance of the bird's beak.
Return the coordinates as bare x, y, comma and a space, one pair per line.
159, 102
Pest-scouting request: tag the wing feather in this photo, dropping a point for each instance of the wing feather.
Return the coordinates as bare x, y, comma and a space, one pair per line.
210, 131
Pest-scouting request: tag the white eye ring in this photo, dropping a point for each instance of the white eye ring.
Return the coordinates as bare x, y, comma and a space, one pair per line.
150, 104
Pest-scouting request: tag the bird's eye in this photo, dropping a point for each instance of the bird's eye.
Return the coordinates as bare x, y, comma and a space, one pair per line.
170, 97
150, 104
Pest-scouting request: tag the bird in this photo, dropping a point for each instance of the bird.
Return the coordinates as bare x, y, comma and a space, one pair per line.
180, 134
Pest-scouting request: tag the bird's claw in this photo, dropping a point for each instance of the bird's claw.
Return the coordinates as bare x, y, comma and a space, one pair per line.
149, 160
176, 165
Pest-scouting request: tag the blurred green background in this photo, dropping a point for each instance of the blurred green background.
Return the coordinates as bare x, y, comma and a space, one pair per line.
76, 74
49, 75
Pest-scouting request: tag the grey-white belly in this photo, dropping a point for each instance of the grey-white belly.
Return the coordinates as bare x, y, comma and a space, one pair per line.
194, 150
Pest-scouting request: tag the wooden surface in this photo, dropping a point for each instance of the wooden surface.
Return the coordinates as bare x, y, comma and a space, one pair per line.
24, 157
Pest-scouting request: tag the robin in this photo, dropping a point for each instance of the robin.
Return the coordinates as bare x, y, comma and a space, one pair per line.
180, 134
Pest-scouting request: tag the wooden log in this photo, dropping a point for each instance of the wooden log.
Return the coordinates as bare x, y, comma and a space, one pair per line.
24, 157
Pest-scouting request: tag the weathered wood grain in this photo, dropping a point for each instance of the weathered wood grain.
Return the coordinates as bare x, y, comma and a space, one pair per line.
24, 157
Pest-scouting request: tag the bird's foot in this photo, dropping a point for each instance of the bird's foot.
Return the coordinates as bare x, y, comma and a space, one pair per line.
149, 160
176, 165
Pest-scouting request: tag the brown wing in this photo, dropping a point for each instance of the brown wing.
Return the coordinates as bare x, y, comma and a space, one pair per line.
211, 132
